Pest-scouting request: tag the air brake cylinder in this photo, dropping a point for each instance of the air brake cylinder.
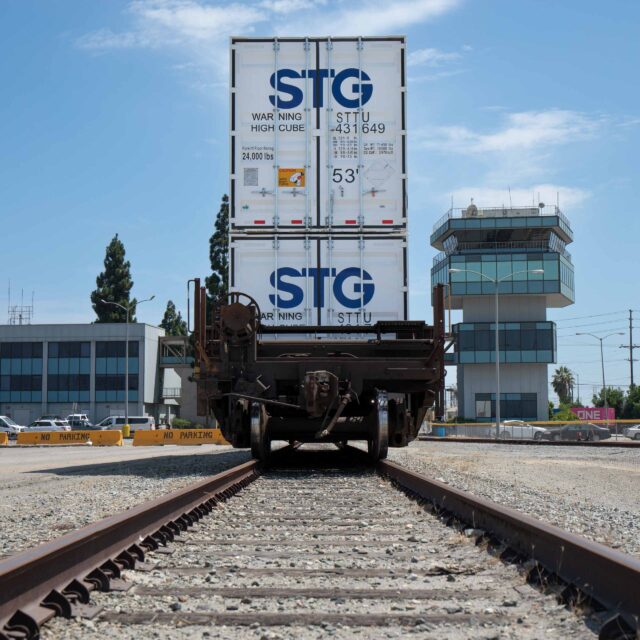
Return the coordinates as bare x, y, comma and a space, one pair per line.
320, 390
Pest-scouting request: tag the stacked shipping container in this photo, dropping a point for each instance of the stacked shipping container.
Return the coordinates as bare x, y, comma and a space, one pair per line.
318, 205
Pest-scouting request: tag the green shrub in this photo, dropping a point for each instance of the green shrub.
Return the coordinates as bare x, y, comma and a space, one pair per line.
181, 423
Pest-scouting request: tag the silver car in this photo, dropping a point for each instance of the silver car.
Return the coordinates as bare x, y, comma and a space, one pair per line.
7, 425
520, 430
632, 432
49, 425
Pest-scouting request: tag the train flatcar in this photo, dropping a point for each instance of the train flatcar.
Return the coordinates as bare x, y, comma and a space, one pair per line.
372, 383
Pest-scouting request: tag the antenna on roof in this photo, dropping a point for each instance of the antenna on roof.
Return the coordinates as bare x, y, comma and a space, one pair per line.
19, 313
510, 203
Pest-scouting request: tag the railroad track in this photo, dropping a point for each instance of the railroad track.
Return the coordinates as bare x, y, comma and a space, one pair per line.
319, 542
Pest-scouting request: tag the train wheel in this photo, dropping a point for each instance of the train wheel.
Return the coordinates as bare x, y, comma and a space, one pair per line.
260, 442
378, 443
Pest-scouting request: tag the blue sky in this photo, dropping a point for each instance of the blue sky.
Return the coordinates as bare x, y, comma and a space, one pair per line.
113, 118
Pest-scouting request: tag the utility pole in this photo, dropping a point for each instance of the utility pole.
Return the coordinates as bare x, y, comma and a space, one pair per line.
631, 346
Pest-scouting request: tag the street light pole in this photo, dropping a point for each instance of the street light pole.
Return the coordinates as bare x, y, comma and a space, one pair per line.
127, 310
496, 282
126, 369
604, 384
497, 365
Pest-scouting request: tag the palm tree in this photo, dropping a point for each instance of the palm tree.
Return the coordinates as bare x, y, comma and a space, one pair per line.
562, 383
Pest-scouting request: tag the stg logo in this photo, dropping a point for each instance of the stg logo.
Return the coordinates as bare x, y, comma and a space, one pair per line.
359, 93
347, 281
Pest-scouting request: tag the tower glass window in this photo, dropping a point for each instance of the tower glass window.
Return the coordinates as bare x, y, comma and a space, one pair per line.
520, 342
519, 406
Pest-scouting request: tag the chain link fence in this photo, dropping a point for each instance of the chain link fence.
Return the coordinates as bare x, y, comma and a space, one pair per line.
554, 431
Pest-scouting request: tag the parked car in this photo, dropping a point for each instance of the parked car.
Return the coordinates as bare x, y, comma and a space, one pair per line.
49, 425
8, 426
579, 432
142, 423
633, 432
78, 421
520, 430
50, 416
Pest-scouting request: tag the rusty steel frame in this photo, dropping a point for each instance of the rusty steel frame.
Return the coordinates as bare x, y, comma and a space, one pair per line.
55, 577
607, 576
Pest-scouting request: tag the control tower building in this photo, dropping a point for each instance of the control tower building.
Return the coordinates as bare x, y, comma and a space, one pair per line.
523, 250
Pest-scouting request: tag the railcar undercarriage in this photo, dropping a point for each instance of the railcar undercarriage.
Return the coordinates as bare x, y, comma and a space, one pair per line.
315, 384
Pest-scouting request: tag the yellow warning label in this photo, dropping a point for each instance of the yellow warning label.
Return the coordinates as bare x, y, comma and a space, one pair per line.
178, 436
4, 439
97, 438
291, 177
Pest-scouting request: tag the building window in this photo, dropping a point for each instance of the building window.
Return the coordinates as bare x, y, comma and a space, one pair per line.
519, 342
21, 372
513, 406
68, 371
557, 276
110, 371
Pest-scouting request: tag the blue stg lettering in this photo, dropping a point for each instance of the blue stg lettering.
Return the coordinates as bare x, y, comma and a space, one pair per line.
358, 92
291, 295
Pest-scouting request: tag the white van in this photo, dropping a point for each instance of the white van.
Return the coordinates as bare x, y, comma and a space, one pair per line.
142, 423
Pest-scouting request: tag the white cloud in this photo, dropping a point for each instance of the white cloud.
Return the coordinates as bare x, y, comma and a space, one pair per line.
192, 20
104, 39
431, 58
289, 6
202, 28
521, 131
487, 196
372, 17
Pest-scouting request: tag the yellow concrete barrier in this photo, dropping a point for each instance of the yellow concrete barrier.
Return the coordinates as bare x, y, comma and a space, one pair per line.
4, 439
97, 438
178, 436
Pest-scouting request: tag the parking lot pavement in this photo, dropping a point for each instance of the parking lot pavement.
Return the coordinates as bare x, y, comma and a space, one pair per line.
48, 491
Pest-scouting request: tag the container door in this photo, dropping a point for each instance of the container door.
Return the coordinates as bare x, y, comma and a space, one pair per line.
279, 273
365, 280
273, 178
362, 150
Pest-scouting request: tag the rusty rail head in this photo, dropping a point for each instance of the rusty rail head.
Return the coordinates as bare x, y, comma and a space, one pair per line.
29, 577
608, 576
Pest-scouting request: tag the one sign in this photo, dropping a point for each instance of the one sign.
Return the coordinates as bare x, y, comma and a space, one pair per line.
594, 413
4, 439
318, 133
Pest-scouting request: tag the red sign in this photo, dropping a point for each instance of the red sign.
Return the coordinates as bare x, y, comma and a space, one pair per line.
594, 413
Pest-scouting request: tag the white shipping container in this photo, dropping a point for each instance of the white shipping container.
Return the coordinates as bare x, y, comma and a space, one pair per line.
319, 280
318, 137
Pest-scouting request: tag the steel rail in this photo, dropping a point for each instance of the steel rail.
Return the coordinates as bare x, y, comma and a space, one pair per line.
57, 577
607, 576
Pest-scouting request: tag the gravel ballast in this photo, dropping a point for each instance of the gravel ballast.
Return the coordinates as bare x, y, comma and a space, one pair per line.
46, 492
590, 491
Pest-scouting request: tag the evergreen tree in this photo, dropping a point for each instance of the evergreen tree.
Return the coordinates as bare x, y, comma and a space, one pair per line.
615, 399
172, 322
114, 285
632, 403
217, 282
